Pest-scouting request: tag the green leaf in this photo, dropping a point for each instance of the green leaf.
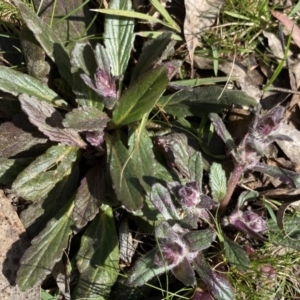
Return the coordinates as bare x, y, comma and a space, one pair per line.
98, 258
38, 179
247, 196
203, 100
223, 133
48, 40
140, 147
133, 14
10, 168
217, 182
89, 196
39, 213
49, 121
20, 137
140, 97
118, 37
195, 165
86, 119
151, 53
83, 62
124, 174
236, 255
46, 249
17, 83
144, 269
161, 198
200, 239
166, 15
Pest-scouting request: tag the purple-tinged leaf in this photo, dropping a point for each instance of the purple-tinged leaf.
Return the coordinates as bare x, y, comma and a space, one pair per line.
170, 253
41, 176
124, 175
223, 133
248, 222
161, 198
103, 84
217, 284
98, 258
264, 125
46, 249
206, 202
236, 255
200, 239
89, 196
86, 119
95, 138
285, 176
177, 151
145, 269
85, 96
185, 273
189, 195
202, 296
49, 121
14, 140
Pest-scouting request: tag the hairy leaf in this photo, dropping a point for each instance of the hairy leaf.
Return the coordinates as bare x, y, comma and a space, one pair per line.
286, 176
151, 54
195, 165
140, 97
38, 179
161, 198
48, 40
16, 140
217, 182
16, 83
236, 255
118, 37
86, 119
49, 121
98, 258
124, 174
203, 100
144, 269
200, 239
47, 248
218, 285
89, 196
185, 273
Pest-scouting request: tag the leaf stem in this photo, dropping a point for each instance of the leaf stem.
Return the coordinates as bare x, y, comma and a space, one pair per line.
232, 183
